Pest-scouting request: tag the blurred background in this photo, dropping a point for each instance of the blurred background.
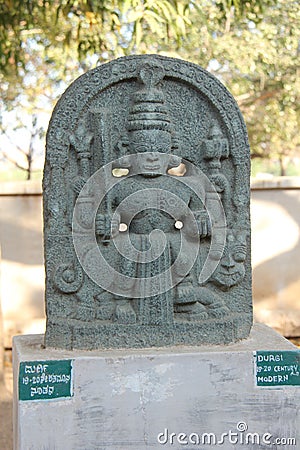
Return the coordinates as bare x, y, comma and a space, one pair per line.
252, 47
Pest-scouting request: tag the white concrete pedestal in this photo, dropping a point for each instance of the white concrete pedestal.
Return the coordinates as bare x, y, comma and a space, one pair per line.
124, 399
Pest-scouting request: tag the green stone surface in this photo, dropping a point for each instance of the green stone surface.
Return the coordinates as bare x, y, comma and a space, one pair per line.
146, 209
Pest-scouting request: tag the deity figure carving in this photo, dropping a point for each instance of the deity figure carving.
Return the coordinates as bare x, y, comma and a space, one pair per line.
148, 245
231, 269
149, 142
215, 149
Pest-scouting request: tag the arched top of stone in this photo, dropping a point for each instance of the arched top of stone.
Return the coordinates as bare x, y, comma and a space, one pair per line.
77, 98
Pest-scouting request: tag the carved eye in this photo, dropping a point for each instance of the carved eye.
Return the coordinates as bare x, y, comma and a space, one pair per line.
142, 147
178, 224
239, 256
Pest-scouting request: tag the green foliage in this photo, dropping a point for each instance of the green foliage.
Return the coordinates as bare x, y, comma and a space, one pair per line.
258, 60
106, 28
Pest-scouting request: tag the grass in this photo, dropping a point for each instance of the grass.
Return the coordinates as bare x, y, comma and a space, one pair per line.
272, 167
19, 175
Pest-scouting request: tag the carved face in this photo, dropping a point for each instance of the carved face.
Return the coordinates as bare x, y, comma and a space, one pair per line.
231, 269
152, 164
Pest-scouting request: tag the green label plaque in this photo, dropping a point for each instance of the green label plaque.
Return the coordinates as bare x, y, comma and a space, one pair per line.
277, 368
45, 380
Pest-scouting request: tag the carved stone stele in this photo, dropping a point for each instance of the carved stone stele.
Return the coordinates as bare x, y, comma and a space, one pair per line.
146, 209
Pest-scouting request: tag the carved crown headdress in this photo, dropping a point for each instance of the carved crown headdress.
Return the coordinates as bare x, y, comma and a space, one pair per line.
148, 111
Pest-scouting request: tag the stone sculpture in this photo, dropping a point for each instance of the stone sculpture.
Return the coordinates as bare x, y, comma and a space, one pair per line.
146, 209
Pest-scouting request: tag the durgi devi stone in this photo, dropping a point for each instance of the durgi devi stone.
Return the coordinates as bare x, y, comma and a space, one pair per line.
146, 209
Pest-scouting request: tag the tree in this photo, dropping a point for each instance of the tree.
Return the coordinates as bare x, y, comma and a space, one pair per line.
257, 57
45, 45
23, 155
108, 28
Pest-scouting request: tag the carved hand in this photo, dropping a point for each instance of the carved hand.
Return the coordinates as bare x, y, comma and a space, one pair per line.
106, 226
204, 223
220, 182
201, 227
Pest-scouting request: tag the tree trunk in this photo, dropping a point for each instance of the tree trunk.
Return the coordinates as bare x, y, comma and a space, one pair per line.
29, 166
282, 164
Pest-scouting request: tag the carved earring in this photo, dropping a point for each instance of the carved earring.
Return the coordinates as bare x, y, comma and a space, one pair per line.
175, 161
